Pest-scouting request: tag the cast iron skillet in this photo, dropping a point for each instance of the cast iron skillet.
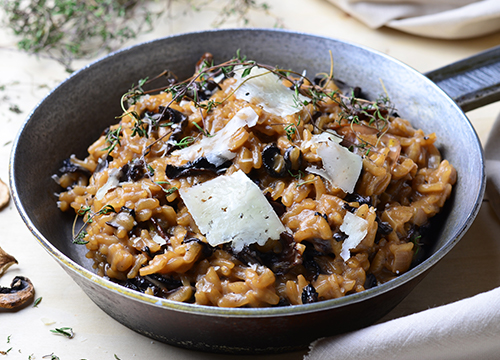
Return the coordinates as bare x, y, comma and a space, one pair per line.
76, 112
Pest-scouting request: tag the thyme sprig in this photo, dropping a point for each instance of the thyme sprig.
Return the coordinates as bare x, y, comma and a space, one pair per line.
85, 212
64, 331
5, 352
65, 30
68, 30
353, 110
113, 138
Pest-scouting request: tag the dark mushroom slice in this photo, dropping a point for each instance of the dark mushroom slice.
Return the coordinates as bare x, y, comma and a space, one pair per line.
355, 197
277, 205
71, 174
309, 294
206, 249
21, 291
273, 161
384, 228
180, 122
123, 220
172, 115
196, 167
69, 166
6, 261
282, 262
371, 281
160, 285
103, 163
134, 170
293, 158
339, 236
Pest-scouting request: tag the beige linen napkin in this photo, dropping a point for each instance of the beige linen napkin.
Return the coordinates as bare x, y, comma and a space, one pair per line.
446, 19
464, 330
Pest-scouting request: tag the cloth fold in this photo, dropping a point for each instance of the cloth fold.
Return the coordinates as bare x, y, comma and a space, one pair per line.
445, 19
466, 329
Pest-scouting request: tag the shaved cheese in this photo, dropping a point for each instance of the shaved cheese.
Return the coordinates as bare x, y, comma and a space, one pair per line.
356, 229
215, 148
340, 166
232, 209
265, 89
111, 183
323, 137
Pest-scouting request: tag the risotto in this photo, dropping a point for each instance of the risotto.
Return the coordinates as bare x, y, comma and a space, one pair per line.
248, 185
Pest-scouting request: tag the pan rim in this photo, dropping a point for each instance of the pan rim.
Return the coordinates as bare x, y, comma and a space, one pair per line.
78, 270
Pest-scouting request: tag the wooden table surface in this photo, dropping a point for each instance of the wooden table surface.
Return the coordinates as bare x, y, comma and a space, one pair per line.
472, 267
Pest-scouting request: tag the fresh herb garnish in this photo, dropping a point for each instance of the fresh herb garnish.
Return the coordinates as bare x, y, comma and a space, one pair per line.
85, 211
169, 190
113, 139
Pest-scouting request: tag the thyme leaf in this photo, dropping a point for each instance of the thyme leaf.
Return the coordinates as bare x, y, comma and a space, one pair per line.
184, 142
2, 352
64, 331
169, 190
37, 301
113, 138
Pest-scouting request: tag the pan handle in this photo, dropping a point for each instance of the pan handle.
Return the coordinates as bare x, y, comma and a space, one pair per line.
472, 82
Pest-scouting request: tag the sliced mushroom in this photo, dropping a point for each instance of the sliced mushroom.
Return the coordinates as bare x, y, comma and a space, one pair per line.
4, 194
273, 161
134, 170
293, 158
6, 261
196, 167
20, 292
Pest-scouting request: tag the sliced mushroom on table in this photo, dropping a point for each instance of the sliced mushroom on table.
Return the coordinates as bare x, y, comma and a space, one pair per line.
20, 292
6, 261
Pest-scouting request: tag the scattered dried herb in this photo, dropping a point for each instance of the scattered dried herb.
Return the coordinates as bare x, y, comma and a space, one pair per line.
4, 194
50, 356
64, 331
37, 301
67, 30
15, 109
5, 352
